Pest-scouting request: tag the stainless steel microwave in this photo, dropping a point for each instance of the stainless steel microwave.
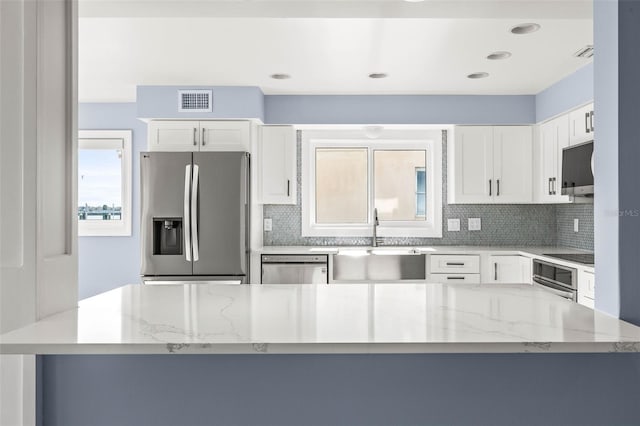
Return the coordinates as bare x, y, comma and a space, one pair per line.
577, 170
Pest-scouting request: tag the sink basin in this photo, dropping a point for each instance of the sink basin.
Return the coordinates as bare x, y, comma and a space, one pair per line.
381, 264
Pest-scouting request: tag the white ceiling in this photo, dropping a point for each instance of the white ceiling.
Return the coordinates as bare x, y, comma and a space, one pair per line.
326, 54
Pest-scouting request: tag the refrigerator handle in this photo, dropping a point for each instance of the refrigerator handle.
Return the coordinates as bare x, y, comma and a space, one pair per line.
194, 212
186, 221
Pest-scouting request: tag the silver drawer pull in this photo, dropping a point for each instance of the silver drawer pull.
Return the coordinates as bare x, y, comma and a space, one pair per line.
455, 278
455, 263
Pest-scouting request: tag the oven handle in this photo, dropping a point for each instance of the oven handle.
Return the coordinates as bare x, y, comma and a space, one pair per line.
565, 294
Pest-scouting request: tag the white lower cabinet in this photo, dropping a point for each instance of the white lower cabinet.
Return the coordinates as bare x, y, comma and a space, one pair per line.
586, 288
454, 264
508, 269
454, 278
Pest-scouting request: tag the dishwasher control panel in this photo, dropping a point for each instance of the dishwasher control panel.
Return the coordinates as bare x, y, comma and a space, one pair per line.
295, 269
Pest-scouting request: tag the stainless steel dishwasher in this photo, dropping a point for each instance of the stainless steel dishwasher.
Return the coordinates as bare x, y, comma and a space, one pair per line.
294, 269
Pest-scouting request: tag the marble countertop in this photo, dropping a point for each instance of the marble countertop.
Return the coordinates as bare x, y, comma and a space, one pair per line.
356, 318
529, 251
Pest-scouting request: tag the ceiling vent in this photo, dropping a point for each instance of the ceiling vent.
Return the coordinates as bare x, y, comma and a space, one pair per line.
195, 100
586, 52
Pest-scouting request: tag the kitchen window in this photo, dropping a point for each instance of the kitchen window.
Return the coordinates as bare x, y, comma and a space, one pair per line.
104, 183
345, 176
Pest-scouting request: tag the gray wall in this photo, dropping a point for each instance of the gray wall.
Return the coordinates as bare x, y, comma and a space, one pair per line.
501, 224
282, 390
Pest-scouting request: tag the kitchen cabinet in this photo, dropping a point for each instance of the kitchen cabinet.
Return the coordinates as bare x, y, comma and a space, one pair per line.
553, 137
491, 165
454, 268
508, 269
278, 171
581, 125
204, 135
586, 288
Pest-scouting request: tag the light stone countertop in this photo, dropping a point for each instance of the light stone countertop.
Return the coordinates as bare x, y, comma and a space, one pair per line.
529, 251
356, 318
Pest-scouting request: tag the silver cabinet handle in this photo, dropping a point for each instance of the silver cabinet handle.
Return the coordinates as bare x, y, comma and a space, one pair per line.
489, 187
195, 136
455, 278
495, 271
455, 263
591, 120
186, 219
203, 140
586, 122
550, 190
555, 185
498, 187
288, 187
194, 212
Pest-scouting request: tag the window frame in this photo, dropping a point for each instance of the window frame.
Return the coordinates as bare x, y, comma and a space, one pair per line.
429, 140
106, 139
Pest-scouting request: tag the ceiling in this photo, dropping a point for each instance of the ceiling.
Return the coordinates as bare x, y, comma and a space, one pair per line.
327, 47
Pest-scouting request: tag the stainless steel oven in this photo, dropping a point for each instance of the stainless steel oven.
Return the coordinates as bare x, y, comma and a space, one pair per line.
557, 279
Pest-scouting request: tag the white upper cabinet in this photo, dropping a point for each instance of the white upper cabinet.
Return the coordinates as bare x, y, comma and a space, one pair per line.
181, 135
512, 164
225, 135
173, 136
553, 137
491, 165
581, 125
278, 172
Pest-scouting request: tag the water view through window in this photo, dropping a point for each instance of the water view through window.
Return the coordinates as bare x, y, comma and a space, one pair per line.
100, 184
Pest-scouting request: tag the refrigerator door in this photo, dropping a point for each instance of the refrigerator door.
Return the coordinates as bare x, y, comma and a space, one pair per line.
165, 190
221, 217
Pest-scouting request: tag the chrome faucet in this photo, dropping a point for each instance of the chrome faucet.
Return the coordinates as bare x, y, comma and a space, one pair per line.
376, 223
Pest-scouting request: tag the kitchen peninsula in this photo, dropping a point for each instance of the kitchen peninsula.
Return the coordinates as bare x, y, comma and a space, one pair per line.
324, 319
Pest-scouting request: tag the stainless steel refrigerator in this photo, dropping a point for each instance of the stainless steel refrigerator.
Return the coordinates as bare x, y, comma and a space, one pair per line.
194, 217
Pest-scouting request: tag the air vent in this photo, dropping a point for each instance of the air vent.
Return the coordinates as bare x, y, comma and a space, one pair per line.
195, 100
586, 52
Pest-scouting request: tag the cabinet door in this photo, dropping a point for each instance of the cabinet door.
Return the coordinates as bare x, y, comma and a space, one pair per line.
509, 270
472, 166
225, 135
554, 136
278, 165
581, 125
173, 136
513, 164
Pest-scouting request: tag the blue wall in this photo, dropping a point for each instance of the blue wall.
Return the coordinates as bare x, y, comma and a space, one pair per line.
570, 92
109, 262
437, 389
228, 102
399, 109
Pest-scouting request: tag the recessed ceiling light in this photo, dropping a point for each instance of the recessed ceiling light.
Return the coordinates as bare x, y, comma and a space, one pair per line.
525, 28
378, 75
280, 76
477, 75
499, 55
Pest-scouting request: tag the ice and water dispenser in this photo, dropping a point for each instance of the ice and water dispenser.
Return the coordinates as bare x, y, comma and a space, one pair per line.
167, 235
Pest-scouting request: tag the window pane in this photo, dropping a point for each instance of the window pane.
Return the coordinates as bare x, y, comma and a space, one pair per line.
99, 184
398, 176
341, 185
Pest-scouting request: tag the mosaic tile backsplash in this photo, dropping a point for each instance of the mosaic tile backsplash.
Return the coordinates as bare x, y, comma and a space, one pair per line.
510, 224
565, 213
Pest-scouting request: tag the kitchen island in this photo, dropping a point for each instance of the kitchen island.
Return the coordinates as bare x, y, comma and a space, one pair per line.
359, 354
319, 319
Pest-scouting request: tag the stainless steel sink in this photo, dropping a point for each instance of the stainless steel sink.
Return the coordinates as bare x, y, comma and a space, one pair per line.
369, 265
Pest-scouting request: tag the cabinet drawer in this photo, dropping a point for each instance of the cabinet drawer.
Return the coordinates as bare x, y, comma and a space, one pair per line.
455, 278
460, 264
